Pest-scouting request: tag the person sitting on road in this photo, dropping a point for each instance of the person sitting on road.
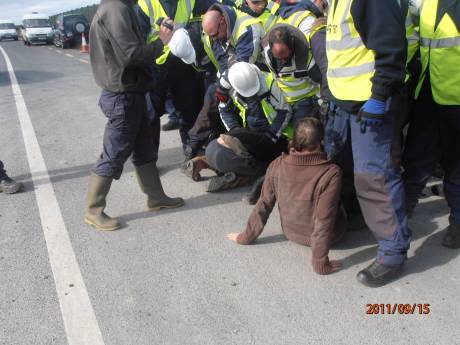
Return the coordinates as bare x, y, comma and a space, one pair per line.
307, 187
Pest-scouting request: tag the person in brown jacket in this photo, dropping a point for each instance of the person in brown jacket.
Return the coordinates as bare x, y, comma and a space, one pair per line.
307, 188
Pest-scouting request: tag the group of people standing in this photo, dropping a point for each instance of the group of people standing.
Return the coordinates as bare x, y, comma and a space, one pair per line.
338, 110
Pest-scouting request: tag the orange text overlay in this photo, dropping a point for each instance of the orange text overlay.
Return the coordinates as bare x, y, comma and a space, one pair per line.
398, 308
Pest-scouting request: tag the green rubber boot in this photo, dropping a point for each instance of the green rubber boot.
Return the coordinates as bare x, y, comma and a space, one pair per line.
99, 187
150, 183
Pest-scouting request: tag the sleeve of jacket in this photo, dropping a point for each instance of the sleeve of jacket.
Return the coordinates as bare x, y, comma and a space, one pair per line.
143, 21
220, 54
263, 208
127, 47
381, 25
229, 116
318, 49
326, 215
247, 46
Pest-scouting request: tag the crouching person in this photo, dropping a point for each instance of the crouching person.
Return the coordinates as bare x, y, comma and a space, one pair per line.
307, 188
119, 60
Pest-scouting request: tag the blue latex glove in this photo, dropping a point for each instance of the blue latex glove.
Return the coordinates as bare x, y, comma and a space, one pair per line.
372, 113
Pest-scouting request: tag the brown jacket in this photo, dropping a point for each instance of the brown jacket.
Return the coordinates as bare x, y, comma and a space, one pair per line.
307, 188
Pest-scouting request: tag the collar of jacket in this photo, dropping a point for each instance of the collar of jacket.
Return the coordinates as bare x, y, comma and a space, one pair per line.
229, 16
305, 158
452, 8
288, 9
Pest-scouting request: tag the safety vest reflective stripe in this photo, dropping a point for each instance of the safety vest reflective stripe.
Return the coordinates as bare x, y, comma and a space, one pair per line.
440, 54
440, 42
208, 49
351, 64
243, 21
155, 10
412, 37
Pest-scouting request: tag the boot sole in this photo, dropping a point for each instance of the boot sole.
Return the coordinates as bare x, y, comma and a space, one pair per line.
157, 208
12, 190
380, 282
97, 227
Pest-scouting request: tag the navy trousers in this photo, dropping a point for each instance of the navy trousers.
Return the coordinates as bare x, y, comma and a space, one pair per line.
128, 132
376, 171
2, 171
433, 137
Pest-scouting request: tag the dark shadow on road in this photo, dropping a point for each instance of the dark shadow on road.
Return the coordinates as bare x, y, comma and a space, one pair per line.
29, 77
4, 78
271, 239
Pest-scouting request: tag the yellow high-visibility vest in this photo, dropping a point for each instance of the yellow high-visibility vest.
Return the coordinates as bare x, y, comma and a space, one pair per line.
350, 64
154, 10
440, 55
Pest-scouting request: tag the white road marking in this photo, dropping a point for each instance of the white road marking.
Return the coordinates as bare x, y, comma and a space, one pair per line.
80, 322
50, 48
83, 60
69, 55
58, 51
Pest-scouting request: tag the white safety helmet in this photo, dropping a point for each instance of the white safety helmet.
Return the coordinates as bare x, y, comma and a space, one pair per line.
181, 46
244, 78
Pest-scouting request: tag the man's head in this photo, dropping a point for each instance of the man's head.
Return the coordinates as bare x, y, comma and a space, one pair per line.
281, 43
257, 6
308, 135
214, 25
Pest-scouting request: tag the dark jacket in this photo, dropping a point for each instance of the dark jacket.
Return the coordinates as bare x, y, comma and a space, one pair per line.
307, 188
119, 56
381, 26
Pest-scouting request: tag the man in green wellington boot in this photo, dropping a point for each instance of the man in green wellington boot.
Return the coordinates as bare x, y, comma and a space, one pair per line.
118, 58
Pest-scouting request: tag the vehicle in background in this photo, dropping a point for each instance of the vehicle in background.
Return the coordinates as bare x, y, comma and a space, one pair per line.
37, 29
8, 30
69, 28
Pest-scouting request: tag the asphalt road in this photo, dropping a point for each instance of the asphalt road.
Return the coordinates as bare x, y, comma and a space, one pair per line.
172, 277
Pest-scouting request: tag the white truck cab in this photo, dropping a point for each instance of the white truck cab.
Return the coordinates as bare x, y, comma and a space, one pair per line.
8, 30
37, 29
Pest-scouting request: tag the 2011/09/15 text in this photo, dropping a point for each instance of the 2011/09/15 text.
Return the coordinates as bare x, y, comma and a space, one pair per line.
398, 308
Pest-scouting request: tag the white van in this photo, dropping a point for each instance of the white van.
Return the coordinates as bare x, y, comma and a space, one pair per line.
37, 29
8, 30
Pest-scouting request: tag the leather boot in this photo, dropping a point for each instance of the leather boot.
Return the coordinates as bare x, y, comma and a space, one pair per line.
192, 167
99, 187
150, 183
254, 193
377, 274
452, 237
227, 181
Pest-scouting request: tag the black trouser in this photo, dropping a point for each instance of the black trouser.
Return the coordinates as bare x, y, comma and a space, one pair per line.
128, 132
433, 137
2, 171
187, 91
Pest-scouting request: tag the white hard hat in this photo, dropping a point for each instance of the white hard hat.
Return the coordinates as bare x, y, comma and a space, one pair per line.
181, 46
244, 78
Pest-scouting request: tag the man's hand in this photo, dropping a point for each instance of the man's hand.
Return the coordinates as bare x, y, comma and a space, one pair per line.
233, 236
371, 114
165, 31
222, 94
331, 267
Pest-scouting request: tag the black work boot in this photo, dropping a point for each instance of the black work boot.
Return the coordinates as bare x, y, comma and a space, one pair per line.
452, 237
150, 183
170, 125
253, 195
228, 180
10, 186
98, 189
378, 274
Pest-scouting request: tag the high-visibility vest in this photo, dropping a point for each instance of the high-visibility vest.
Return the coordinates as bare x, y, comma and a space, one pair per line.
350, 64
208, 49
154, 10
412, 37
269, 110
440, 55
270, 15
296, 19
242, 23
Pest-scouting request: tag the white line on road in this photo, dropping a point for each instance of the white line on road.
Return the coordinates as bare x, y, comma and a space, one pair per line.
69, 55
49, 48
83, 60
58, 51
77, 312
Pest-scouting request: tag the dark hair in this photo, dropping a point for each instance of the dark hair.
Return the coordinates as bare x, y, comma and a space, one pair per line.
281, 34
308, 134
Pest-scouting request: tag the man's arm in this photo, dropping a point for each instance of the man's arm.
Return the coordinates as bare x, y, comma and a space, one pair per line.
248, 46
129, 50
263, 208
381, 25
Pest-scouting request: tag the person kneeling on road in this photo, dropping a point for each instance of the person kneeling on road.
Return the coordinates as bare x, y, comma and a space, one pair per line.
307, 187
119, 60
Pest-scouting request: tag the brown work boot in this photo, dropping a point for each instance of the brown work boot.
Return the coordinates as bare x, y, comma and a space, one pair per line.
228, 180
192, 167
99, 187
150, 183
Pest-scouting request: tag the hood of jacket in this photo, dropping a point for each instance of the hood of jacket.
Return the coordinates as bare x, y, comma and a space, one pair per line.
229, 16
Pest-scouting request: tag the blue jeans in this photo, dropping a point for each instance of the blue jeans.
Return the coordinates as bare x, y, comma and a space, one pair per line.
377, 178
